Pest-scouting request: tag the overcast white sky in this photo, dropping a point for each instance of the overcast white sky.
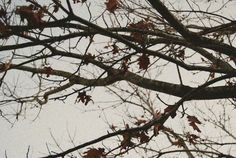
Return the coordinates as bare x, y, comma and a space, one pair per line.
60, 120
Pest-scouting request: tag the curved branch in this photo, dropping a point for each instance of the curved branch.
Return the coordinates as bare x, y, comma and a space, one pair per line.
177, 90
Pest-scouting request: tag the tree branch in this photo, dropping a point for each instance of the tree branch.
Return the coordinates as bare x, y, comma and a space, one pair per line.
191, 36
177, 90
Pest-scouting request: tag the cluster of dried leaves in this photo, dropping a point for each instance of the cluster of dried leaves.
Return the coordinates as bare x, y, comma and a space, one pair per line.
31, 13
141, 136
143, 25
84, 98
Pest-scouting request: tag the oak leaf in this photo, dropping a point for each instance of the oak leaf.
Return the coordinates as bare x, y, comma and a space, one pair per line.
195, 127
126, 142
138, 37
84, 98
125, 64
192, 138
95, 153
143, 62
115, 49
144, 138
112, 5
32, 14
193, 121
142, 25
48, 70
87, 58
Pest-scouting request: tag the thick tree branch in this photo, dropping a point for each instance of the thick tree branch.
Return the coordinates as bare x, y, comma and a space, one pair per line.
191, 36
167, 39
218, 92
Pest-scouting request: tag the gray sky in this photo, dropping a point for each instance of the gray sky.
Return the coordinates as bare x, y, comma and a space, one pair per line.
83, 123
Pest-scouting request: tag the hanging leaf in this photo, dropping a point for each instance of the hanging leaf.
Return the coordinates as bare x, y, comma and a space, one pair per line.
192, 138
142, 25
125, 64
193, 121
144, 138
115, 49
32, 14
126, 142
143, 62
195, 127
95, 153
87, 58
112, 5
138, 37
84, 98
48, 70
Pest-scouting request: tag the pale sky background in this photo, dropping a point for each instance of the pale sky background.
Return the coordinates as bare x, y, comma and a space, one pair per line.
62, 120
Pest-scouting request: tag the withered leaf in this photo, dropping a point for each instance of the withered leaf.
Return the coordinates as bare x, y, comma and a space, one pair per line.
143, 62
95, 153
192, 138
84, 98
112, 5
144, 138
193, 121
126, 142
115, 49
48, 70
